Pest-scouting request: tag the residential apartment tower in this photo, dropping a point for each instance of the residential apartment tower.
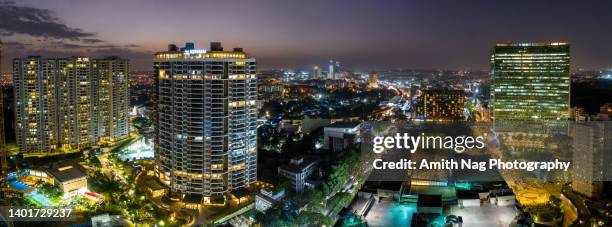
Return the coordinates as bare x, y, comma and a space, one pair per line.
207, 116
61, 103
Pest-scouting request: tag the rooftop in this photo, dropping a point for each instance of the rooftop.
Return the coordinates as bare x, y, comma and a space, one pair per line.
464, 194
429, 201
297, 168
68, 172
266, 198
189, 52
344, 124
192, 198
527, 44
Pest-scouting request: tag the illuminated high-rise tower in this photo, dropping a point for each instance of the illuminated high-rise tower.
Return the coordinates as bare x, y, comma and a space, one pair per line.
58, 102
316, 72
373, 80
592, 143
531, 81
110, 99
334, 70
207, 117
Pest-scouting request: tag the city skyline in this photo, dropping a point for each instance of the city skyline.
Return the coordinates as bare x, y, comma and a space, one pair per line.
361, 35
311, 113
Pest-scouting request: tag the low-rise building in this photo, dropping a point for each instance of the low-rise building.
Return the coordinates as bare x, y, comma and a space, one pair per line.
340, 135
72, 179
468, 198
192, 201
429, 204
297, 172
310, 124
578, 114
266, 199
502, 197
102, 220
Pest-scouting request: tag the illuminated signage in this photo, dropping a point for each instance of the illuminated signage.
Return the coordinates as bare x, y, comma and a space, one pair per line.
196, 51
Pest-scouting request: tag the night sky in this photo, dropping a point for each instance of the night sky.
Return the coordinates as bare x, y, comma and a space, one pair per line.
361, 34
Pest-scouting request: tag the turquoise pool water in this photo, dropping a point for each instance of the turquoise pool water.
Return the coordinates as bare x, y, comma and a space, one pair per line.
40, 198
400, 214
13, 180
18, 185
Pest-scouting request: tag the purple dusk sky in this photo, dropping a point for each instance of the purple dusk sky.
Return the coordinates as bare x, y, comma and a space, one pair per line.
362, 34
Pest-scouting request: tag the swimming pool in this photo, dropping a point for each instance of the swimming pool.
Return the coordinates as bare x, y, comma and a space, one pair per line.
40, 199
400, 214
18, 185
13, 180
14, 175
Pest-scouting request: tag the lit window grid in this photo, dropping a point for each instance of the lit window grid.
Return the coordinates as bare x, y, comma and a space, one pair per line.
531, 82
55, 94
219, 158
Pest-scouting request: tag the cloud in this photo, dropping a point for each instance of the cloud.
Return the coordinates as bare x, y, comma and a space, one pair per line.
92, 40
136, 57
16, 45
15, 19
72, 46
33, 31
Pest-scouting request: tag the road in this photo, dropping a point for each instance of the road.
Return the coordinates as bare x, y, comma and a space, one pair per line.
584, 214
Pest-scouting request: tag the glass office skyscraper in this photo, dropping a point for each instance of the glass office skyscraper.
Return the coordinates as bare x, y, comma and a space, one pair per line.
207, 119
531, 81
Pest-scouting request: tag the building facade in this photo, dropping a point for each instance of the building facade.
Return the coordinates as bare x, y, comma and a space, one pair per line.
373, 80
265, 199
72, 179
207, 119
531, 81
58, 102
297, 172
316, 73
592, 160
270, 89
111, 120
340, 135
441, 105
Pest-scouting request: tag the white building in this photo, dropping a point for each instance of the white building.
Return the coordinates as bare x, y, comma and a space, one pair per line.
297, 172
266, 199
468, 198
340, 135
502, 197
